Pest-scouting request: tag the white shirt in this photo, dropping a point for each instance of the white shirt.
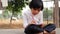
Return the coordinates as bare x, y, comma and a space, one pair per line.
27, 17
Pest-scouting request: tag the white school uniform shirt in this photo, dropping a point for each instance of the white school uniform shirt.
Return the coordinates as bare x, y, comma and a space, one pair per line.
27, 18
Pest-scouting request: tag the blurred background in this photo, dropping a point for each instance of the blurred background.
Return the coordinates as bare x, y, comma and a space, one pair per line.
11, 13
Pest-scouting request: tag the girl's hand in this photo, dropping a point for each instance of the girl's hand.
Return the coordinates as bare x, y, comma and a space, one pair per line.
42, 25
33, 22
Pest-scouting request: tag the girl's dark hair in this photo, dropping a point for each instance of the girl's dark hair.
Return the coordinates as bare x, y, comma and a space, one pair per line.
33, 29
36, 4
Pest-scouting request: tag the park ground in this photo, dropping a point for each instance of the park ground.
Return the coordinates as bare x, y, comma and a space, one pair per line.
19, 31
16, 27
16, 24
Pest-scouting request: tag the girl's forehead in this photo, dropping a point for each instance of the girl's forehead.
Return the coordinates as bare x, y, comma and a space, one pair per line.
36, 8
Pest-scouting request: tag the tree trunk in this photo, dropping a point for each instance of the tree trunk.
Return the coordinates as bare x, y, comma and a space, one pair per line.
47, 15
0, 5
56, 14
11, 17
59, 16
11, 20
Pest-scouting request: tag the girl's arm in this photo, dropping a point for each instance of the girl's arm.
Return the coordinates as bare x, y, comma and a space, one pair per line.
41, 19
25, 21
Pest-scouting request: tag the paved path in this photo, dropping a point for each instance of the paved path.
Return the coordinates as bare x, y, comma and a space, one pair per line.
58, 31
18, 31
11, 31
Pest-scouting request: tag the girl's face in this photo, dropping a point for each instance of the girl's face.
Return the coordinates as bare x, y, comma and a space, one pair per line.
35, 11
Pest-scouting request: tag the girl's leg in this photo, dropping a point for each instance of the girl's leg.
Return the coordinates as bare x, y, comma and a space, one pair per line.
50, 29
53, 32
45, 32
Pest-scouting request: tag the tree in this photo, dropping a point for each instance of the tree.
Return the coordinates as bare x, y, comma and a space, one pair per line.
56, 13
47, 13
15, 7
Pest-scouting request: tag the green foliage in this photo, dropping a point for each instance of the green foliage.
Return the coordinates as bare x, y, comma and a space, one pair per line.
47, 13
15, 6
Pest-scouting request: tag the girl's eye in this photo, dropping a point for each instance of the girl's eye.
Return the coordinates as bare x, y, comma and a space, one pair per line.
37, 9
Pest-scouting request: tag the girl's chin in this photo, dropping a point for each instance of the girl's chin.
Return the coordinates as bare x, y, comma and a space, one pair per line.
34, 14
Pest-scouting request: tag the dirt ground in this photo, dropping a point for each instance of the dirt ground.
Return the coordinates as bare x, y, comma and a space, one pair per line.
5, 24
16, 24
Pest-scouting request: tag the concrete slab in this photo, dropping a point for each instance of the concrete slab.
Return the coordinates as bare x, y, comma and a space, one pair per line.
19, 31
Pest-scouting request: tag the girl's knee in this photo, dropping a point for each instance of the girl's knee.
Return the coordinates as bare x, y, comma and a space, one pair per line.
52, 32
50, 27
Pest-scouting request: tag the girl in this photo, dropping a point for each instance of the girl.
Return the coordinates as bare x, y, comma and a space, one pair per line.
34, 16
